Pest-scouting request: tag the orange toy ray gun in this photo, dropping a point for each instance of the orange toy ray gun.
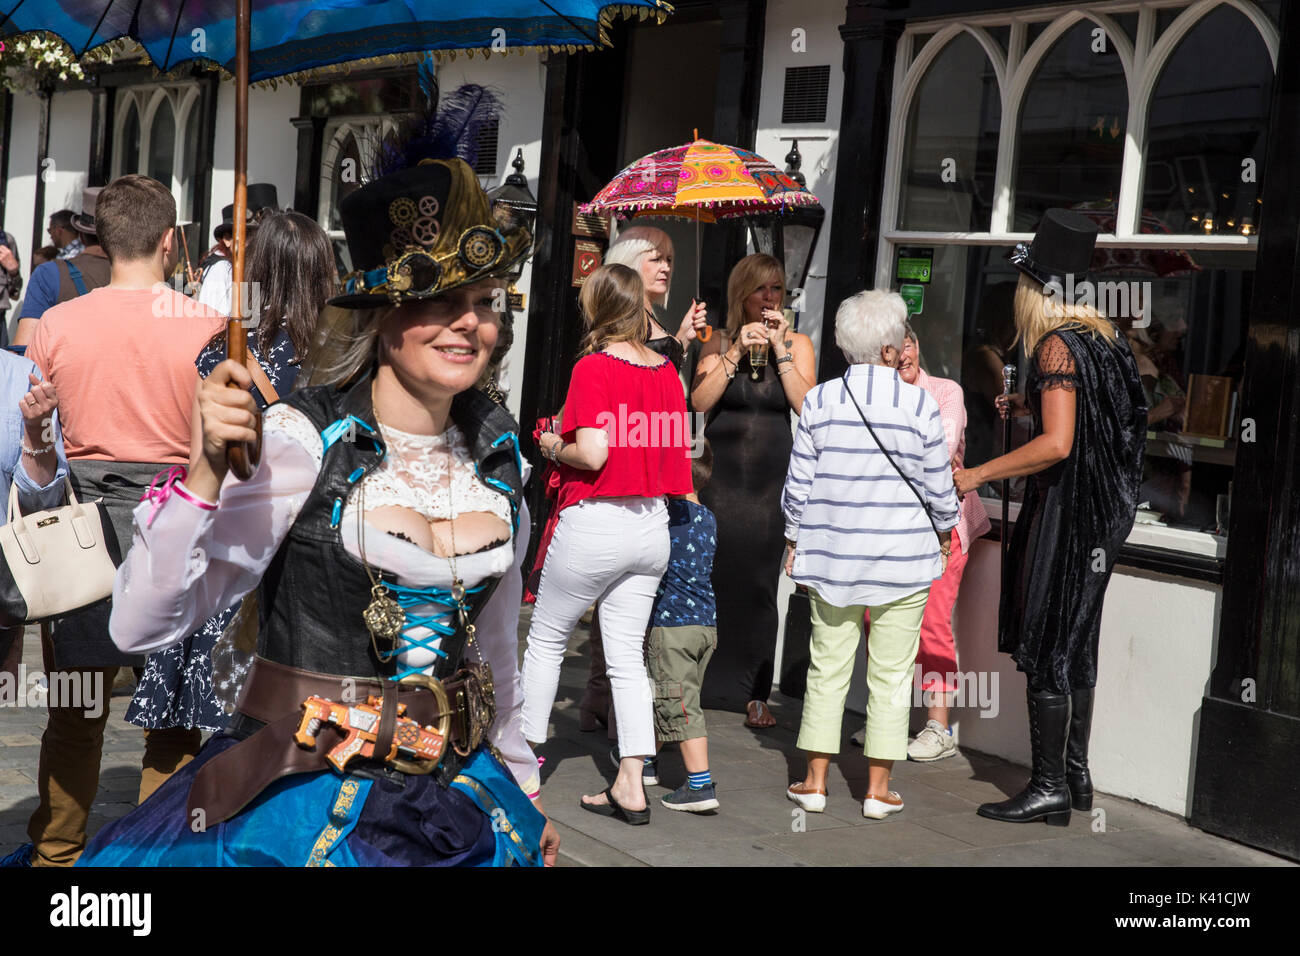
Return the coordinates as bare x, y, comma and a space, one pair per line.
359, 723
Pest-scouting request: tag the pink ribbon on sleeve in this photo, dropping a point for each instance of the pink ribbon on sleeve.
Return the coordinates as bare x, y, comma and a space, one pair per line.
157, 493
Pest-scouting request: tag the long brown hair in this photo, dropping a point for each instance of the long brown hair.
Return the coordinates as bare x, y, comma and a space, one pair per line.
613, 308
747, 277
291, 267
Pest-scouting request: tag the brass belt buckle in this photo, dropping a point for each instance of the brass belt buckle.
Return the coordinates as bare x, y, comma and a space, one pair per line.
433, 685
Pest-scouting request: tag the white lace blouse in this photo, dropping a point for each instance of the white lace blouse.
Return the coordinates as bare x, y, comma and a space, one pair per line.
189, 563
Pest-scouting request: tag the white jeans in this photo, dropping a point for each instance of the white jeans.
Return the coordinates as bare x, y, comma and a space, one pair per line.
613, 550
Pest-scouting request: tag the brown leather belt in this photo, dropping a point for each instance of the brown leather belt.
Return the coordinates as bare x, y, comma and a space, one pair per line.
273, 695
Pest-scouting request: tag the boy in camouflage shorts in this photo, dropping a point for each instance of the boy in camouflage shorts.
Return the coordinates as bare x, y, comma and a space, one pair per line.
683, 635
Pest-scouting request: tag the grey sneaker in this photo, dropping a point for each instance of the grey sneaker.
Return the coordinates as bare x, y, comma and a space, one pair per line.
692, 801
932, 743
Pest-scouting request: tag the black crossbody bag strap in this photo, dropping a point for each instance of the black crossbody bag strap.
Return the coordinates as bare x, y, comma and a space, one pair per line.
907, 481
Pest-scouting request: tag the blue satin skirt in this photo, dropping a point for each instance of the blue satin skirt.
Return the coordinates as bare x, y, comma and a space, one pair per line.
327, 818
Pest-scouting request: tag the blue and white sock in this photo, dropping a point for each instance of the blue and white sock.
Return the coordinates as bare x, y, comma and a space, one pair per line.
698, 781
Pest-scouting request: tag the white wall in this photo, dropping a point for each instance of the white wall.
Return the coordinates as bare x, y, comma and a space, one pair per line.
521, 82
272, 147
1158, 641
69, 149
821, 44
820, 21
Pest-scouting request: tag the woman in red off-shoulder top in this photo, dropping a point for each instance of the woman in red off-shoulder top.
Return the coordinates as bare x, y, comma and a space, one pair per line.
625, 443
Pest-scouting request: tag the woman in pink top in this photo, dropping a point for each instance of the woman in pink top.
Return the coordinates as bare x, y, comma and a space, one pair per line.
938, 653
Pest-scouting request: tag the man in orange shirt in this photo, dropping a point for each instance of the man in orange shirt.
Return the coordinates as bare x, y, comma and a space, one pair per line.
122, 359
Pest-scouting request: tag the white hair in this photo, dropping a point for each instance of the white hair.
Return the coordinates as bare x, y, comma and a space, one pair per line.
634, 244
865, 323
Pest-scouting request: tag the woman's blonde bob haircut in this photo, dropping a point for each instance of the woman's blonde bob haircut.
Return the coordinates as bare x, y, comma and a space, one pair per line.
865, 323
748, 276
1039, 314
637, 242
613, 307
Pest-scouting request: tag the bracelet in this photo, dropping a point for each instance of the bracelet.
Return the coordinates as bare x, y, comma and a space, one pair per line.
44, 451
726, 361
787, 357
164, 484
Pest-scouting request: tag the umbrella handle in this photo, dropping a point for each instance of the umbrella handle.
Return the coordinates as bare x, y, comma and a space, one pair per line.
241, 457
705, 333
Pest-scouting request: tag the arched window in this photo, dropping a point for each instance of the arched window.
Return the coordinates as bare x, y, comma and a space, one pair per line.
951, 147
1207, 129
1072, 126
189, 148
162, 143
347, 178
129, 151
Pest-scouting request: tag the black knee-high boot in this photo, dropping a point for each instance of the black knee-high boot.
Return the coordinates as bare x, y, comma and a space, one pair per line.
1046, 797
1077, 777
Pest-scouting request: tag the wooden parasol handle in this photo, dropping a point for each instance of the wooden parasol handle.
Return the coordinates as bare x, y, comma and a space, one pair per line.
242, 457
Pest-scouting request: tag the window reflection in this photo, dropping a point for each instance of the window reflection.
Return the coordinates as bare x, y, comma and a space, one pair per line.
1072, 127
348, 157
130, 155
952, 142
1207, 129
162, 144
1188, 339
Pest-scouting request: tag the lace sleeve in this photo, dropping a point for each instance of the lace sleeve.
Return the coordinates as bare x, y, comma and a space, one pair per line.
1054, 364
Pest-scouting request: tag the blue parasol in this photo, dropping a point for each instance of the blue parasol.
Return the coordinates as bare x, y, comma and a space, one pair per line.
289, 37
262, 40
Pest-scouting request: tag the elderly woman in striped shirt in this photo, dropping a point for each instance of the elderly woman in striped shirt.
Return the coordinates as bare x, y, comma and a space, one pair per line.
869, 508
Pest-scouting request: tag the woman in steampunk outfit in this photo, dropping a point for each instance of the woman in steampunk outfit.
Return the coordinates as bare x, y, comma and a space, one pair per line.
384, 527
1085, 459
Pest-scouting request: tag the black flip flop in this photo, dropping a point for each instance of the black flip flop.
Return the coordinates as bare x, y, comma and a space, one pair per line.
613, 809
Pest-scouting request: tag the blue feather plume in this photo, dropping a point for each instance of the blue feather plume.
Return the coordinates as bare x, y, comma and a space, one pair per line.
451, 130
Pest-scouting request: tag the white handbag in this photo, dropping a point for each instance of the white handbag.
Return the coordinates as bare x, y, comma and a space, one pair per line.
55, 562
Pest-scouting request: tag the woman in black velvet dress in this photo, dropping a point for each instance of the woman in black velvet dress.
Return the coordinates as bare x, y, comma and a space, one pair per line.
1085, 459
748, 426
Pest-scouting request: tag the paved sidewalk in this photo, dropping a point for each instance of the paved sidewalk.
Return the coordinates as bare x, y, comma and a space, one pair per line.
755, 826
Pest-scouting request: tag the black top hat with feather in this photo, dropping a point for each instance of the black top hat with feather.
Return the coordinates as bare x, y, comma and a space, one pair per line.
422, 224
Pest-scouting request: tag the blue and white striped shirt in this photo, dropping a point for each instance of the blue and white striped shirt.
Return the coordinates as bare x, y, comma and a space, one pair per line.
861, 536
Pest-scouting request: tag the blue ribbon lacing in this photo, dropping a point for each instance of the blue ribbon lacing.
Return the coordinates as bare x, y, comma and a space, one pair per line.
438, 622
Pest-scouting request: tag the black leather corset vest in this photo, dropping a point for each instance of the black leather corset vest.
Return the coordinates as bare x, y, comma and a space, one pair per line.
314, 592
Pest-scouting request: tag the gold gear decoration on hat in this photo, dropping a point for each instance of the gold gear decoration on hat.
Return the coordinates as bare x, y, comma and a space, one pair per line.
401, 211
481, 247
425, 230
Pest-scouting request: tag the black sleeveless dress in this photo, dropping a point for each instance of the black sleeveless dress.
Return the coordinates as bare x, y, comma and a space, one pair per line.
749, 431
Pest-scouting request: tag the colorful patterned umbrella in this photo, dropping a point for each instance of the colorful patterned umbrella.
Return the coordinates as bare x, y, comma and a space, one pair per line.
702, 181
728, 181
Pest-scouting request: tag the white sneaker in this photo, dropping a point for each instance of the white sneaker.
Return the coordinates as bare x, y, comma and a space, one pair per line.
933, 743
877, 808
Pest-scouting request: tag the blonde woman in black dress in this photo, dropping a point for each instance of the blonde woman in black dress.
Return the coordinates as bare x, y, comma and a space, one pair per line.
748, 426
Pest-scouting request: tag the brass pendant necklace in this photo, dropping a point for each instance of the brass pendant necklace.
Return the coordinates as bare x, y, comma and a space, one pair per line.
384, 617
